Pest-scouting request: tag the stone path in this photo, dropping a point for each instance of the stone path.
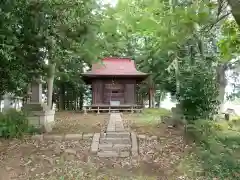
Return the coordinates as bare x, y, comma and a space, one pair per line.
116, 142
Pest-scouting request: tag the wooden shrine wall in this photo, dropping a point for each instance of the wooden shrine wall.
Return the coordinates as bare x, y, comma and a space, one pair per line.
122, 90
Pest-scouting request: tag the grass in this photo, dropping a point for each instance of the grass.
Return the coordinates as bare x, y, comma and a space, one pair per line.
217, 148
148, 122
153, 115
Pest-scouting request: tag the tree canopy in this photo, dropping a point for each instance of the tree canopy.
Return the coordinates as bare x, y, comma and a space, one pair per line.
187, 47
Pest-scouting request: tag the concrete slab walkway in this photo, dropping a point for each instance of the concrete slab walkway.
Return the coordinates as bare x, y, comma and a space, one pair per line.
116, 142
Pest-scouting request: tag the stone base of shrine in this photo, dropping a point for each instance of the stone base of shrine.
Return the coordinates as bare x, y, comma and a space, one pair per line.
42, 119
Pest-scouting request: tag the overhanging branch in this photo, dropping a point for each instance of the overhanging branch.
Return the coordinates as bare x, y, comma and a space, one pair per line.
235, 6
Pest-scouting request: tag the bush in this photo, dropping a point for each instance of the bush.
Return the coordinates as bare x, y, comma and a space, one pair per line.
198, 91
217, 148
14, 124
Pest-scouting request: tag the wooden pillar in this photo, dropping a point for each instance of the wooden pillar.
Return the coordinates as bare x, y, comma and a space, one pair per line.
93, 92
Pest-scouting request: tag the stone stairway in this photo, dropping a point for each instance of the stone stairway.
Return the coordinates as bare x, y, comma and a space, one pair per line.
117, 142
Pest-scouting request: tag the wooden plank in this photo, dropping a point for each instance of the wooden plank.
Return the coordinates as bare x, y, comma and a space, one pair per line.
114, 110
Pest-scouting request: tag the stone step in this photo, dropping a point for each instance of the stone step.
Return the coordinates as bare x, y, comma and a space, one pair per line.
124, 154
117, 135
108, 154
119, 129
114, 147
115, 140
121, 147
105, 147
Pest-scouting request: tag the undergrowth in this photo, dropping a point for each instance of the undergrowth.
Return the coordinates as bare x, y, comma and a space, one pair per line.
217, 149
14, 124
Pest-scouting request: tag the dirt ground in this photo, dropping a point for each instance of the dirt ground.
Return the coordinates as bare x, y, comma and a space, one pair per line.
71, 160
71, 122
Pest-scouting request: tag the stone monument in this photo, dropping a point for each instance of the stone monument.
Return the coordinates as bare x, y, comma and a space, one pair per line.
38, 113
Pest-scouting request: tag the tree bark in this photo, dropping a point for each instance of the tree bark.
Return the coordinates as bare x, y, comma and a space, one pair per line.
222, 80
62, 96
159, 100
81, 101
51, 73
151, 97
235, 6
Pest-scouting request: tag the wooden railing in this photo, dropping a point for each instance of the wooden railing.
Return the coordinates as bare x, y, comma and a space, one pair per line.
109, 108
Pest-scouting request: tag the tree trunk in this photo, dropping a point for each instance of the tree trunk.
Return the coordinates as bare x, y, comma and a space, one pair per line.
51, 73
222, 81
150, 98
159, 100
81, 101
153, 99
235, 6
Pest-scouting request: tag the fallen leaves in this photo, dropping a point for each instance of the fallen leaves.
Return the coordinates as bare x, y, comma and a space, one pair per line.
158, 157
68, 122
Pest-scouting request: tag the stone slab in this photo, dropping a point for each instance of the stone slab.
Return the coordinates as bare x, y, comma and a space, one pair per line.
96, 137
120, 147
118, 134
41, 119
153, 138
107, 154
134, 144
53, 137
87, 135
115, 140
95, 143
142, 136
119, 129
105, 147
111, 129
73, 136
94, 146
124, 154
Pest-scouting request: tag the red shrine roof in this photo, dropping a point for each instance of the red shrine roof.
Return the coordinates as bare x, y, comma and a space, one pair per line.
114, 67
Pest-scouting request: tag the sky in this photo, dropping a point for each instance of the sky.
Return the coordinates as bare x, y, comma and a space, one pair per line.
112, 2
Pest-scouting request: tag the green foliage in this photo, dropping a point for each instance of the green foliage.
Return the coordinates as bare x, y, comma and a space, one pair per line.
217, 149
198, 91
166, 38
34, 32
172, 45
229, 43
12, 66
14, 124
